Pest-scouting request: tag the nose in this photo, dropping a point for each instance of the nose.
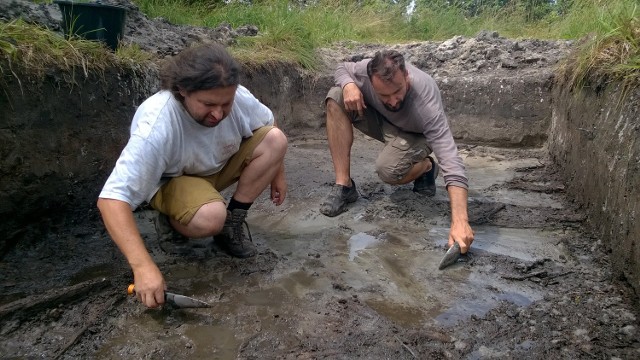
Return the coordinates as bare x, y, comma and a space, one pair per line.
216, 112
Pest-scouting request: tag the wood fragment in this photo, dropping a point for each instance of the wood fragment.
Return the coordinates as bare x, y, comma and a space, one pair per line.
406, 347
51, 299
90, 323
538, 274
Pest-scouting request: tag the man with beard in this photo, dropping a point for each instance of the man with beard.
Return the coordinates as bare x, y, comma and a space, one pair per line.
401, 106
197, 136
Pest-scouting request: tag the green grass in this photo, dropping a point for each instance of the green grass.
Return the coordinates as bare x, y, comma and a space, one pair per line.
610, 54
290, 33
32, 51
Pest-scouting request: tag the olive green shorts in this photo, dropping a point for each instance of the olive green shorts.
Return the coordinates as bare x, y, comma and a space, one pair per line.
402, 149
182, 196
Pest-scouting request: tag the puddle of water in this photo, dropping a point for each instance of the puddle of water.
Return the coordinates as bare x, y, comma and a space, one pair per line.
300, 282
486, 171
524, 244
272, 297
478, 305
213, 342
359, 242
404, 315
528, 199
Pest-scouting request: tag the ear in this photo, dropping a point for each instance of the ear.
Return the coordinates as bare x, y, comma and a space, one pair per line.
183, 92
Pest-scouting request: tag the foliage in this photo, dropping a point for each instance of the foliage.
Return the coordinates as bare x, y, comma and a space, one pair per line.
26, 46
611, 54
290, 30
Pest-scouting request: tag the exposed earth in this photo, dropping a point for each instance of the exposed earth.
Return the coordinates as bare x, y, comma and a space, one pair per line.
363, 285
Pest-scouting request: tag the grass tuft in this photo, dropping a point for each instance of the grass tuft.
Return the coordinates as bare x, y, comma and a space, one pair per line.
34, 51
610, 56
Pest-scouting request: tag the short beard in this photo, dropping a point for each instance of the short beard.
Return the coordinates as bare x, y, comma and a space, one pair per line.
400, 106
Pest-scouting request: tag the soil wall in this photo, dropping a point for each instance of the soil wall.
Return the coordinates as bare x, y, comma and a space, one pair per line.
59, 139
490, 109
499, 109
594, 137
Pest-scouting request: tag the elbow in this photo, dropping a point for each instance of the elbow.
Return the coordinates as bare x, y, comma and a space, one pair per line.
100, 204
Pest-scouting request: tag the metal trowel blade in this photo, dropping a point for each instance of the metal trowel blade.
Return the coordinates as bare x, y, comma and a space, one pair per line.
183, 302
450, 257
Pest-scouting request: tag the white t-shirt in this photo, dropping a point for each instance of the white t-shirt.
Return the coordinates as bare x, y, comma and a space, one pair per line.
167, 142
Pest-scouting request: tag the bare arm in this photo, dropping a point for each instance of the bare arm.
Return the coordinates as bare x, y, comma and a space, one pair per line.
461, 231
121, 225
353, 99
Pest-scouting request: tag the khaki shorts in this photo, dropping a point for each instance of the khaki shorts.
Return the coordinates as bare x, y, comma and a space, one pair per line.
402, 149
182, 196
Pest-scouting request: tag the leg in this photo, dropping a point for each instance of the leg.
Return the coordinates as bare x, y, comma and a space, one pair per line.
254, 167
207, 221
415, 172
194, 207
340, 138
340, 125
265, 162
405, 159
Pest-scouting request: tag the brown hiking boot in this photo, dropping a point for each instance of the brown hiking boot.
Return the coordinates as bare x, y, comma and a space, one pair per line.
336, 202
233, 237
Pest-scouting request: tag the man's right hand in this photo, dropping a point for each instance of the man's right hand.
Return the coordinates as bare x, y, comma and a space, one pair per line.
149, 285
353, 99
119, 221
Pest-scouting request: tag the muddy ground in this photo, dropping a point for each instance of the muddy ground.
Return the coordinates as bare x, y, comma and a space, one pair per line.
363, 285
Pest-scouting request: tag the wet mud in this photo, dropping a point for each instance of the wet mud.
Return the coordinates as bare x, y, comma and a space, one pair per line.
362, 285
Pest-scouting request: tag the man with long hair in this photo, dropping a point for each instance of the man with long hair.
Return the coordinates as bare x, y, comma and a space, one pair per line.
197, 136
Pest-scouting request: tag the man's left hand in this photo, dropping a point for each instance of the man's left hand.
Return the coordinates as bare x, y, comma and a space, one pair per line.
279, 187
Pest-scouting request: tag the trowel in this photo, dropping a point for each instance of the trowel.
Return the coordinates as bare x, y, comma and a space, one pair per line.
175, 300
450, 258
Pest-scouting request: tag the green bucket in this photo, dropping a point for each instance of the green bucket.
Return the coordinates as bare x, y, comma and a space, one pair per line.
93, 21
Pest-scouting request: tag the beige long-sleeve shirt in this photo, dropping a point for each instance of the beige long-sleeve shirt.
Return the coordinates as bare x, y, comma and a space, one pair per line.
423, 113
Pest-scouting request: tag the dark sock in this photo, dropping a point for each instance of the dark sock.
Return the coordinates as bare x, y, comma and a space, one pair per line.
234, 204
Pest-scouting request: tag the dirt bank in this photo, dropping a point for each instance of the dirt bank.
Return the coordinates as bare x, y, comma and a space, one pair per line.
595, 137
537, 284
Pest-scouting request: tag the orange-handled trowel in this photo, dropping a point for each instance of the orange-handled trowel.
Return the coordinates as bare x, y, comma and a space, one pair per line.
175, 300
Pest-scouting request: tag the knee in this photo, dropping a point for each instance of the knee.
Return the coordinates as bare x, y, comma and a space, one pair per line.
276, 141
388, 173
333, 109
208, 220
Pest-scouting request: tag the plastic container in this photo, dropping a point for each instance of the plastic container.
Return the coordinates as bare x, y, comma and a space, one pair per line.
93, 21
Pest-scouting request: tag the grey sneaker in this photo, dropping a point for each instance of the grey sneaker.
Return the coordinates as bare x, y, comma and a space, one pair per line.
233, 237
336, 202
169, 240
425, 184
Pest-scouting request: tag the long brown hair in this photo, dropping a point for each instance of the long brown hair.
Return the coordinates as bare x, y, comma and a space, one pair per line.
202, 67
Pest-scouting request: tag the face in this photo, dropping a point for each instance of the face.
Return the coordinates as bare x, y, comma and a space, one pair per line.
392, 93
209, 107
